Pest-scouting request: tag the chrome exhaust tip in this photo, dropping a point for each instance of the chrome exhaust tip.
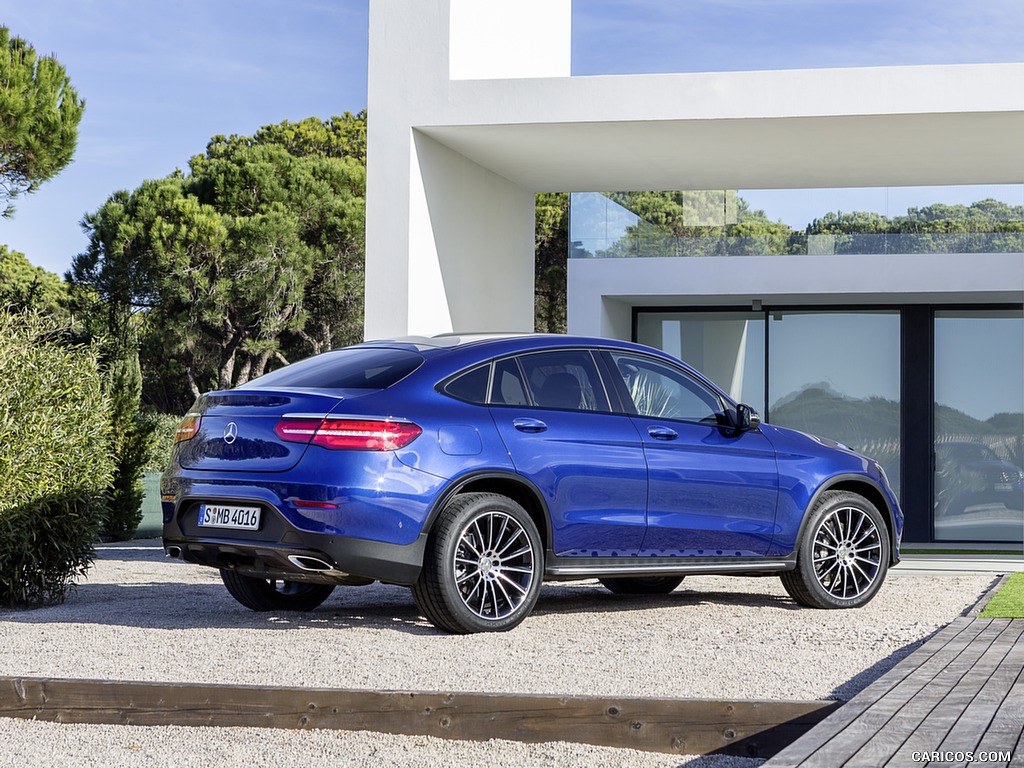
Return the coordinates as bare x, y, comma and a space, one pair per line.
307, 563
173, 551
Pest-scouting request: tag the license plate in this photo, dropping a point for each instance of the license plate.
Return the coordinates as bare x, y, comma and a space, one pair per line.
229, 516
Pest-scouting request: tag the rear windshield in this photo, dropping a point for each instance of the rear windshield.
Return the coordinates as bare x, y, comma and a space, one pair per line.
344, 369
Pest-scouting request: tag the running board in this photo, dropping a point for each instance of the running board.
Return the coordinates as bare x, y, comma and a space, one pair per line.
564, 568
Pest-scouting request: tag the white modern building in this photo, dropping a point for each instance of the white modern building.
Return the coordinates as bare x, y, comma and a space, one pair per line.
917, 355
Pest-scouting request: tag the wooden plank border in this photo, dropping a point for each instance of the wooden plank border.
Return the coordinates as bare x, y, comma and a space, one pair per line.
676, 726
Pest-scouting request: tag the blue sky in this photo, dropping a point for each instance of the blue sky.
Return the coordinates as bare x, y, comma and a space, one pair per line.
160, 79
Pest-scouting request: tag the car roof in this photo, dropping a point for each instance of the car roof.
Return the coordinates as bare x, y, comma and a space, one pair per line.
464, 349
453, 340
503, 342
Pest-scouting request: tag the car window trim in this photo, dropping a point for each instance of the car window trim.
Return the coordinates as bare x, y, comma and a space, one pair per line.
627, 400
614, 384
600, 380
442, 386
522, 380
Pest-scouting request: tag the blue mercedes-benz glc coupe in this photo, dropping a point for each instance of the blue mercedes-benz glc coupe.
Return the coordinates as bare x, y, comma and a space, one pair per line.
473, 468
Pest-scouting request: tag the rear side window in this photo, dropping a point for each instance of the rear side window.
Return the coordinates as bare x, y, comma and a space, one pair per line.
350, 368
565, 379
470, 386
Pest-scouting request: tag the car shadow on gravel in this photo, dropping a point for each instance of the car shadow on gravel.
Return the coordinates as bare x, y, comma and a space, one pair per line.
164, 602
593, 599
181, 606
174, 606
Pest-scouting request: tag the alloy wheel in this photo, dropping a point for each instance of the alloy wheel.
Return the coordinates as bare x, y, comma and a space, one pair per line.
493, 565
847, 553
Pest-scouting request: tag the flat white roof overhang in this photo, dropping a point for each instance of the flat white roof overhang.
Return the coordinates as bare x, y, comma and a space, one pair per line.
880, 126
765, 153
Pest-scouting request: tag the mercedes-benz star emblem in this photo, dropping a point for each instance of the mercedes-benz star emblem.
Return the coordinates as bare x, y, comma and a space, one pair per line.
230, 433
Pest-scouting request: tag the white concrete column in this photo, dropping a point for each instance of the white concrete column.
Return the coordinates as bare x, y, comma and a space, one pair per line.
499, 39
449, 243
470, 246
407, 66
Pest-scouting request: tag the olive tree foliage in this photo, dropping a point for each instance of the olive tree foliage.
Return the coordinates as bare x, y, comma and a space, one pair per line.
251, 259
39, 116
55, 462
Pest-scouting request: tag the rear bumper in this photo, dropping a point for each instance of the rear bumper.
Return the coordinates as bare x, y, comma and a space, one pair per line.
279, 550
350, 561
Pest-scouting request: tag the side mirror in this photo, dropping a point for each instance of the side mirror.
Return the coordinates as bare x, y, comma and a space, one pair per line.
747, 418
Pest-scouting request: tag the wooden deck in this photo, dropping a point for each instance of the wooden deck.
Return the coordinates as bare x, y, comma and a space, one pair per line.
960, 694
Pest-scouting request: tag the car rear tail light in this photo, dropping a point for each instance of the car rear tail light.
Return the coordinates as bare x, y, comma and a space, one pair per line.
349, 434
188, 428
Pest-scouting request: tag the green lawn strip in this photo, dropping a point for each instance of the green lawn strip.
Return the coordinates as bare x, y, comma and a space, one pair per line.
1001, 552
1008, 602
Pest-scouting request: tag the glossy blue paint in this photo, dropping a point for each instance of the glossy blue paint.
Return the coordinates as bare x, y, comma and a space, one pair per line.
250, 444
459, 440
381, 499
807, 466
590, 468
712, 491
612, 483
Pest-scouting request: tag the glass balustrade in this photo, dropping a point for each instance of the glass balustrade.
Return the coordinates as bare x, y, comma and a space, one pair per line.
722, 223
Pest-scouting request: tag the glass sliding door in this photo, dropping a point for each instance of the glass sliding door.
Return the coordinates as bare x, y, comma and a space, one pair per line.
979, 425
727, 347
837, 375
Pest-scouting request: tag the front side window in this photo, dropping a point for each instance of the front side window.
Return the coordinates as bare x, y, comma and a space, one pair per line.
661, 391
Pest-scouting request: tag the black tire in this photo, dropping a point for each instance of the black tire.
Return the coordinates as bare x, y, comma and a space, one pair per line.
843, 556
642, 585
270, 595
483, 567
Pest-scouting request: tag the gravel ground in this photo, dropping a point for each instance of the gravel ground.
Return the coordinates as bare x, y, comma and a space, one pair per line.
139, 616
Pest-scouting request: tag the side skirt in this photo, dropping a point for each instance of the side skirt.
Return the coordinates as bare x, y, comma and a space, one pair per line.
569, 568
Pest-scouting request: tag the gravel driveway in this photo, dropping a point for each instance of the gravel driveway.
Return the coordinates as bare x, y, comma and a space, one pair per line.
139, 616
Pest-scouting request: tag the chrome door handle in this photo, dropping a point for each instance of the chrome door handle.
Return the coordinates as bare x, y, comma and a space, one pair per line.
662, 433
525, 424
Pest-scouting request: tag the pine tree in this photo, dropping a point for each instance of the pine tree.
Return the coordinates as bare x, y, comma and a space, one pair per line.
39, 116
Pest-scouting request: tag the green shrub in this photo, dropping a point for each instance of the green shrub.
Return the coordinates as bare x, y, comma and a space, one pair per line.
161, 439
55, 461
130, 444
